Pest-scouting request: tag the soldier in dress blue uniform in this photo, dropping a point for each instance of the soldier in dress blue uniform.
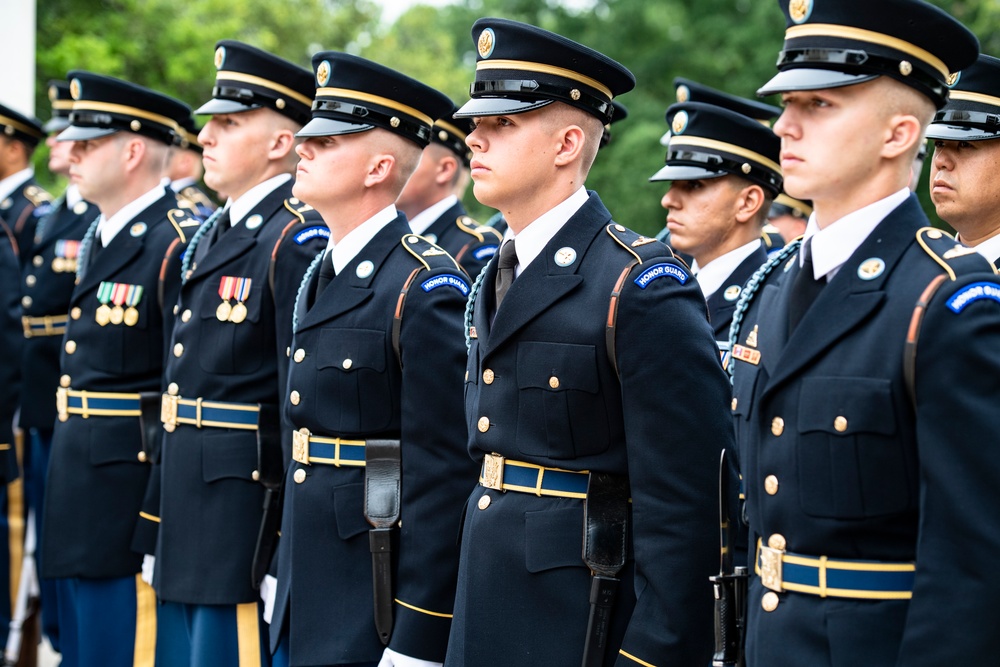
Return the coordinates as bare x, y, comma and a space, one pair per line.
724, 174
47, 279
185, 169
965, 178
568, 391
432, 198
367, 559
871, 493
22, 199
788, 216
226, 363
112, 362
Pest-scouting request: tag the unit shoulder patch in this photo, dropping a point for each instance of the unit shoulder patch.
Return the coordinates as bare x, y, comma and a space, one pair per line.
432, 256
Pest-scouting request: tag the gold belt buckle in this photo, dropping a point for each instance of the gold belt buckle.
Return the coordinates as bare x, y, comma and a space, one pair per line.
492, 477
168, 412
62, 403
300, 446
770, 568
26, 324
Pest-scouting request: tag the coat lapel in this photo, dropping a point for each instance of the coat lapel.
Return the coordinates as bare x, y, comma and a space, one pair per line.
719, 307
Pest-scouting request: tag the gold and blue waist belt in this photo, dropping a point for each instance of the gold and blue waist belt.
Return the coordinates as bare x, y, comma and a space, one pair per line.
200, 413
308, 449
781, 571
46, 325
503, 474
96, 404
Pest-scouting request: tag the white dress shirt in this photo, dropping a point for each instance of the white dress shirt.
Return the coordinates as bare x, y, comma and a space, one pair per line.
532, 239
347, 248
241, 208
713, 275
429, 216
108, 228
990, 248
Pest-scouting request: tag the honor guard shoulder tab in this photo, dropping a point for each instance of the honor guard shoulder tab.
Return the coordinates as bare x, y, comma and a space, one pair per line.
482, 233
642, 248
36, 195
183, 223
953, 257
432, 256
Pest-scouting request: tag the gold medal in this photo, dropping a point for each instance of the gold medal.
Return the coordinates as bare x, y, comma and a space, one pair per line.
239, 313
58, 265
131, 316
103, 315
117, 315
223, 311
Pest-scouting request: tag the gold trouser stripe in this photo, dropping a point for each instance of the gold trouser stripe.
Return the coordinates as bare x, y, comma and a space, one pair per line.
248, 634
870, 36
15, 522
145, 624
635, 659
423, 611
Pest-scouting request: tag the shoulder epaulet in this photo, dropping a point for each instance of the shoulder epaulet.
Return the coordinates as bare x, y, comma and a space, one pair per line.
182, 220
37, 195
482, 233
196, 196
952, 256
641, 247
432, 256
298, 208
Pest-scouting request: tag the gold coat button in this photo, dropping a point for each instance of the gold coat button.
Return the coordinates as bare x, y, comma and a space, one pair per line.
734, 403
37, 260
186, 316
177, 308
299, 476
26, 301
347, 364
30, 281
173, 389
484, 424
70, 346
142, 457
300, 354
770, 601
178, 350
64, 381
554, 382
840, 424
294, 397
777, 541
288, 351
76, 313
777, 426
771, 485
484, 502
488, 376
255, 475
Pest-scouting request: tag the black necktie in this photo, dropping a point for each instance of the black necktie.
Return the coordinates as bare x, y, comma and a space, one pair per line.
222, 225
96, 246
505, 270
805, 289
326, 274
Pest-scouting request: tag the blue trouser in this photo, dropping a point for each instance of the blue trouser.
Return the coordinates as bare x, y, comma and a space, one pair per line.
107, 622
196, 635
40, 442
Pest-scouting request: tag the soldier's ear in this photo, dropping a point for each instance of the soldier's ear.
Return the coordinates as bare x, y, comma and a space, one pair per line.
282, 144
572, 140
748, 205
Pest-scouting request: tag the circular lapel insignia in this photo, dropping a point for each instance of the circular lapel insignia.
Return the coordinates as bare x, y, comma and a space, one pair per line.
220, 57
323, 73
953, 79
431, 237
74, 89
6, 203
138, 229
800, 10
732, 293
680, 122
80, 207
683, 93
871, 269
565, 256
255, 221
365, 269
486, 43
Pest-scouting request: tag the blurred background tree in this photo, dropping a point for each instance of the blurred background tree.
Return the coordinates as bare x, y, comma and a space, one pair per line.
728, 44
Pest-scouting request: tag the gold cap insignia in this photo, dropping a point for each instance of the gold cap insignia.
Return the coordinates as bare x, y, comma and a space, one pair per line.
486, 43
220, 57
683, 93
953, 79
680, 122
905, 67
74, 89
323, 73
799, 10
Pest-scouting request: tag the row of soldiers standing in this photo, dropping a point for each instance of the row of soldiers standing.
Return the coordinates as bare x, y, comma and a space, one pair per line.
259, 415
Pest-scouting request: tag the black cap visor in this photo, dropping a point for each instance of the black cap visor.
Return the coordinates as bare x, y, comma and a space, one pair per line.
947, 132
80, 133
498, 106
57, 124
811, 78
220, 106
679, 172
328, 127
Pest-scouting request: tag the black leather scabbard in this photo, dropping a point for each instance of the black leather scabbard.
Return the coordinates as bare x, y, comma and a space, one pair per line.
151, 426
605, 548
270, 473
383, 489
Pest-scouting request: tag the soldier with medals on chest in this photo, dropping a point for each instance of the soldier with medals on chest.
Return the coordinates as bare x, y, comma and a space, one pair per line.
107, 430
367, 557
591, 534
22, 199
222, 458
432, 202
871, 492
47, 280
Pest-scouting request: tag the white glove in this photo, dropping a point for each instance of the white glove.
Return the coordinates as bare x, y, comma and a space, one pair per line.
148, 564
268, 590
392, 659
